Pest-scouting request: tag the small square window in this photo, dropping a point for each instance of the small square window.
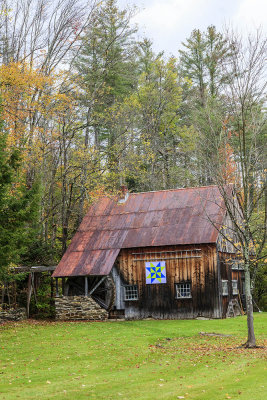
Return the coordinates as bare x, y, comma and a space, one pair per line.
235, 287
131, 292
224, 287
237, 265
183, 290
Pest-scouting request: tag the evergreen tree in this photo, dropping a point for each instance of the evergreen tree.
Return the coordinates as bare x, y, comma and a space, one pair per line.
106, 74
202, 60
18, 208
106, 67
160, 137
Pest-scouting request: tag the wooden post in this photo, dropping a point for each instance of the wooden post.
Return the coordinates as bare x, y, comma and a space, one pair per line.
86, 286
29, 293
34, 286
57, 294
63, 286
14, 294
52, 285
7, 292
3, 293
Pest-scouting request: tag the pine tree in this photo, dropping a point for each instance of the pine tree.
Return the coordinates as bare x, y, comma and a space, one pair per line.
162, 137
202, 61
106, 73
18, 208
106, 67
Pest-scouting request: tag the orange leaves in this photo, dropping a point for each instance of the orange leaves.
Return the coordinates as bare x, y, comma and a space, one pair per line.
228, 164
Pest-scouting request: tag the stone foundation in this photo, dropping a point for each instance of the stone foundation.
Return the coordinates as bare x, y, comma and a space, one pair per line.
14, 314
79, 308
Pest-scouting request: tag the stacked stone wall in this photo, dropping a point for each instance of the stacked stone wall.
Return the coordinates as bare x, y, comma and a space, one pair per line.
14, 314
75, 308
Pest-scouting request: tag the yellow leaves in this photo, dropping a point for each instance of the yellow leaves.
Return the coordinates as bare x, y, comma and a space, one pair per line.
21, 75
20, 85
29, 100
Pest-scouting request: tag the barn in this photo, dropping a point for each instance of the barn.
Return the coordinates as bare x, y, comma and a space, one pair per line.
158, 254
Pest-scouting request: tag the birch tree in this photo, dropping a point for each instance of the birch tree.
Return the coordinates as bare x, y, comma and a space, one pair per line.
236, 141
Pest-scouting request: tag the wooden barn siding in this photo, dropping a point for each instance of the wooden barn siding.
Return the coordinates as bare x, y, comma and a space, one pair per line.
158, 300
229, 274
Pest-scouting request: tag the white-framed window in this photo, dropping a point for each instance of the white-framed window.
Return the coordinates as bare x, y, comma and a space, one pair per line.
237, 265
183, 290
130, 292
224, 287
235, 287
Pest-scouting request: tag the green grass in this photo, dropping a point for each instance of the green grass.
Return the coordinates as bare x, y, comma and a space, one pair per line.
132, 360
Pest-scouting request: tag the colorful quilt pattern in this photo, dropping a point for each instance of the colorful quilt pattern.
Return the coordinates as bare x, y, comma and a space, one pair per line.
155, 272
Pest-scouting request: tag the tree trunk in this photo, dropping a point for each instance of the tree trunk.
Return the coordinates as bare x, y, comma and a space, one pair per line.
251, 342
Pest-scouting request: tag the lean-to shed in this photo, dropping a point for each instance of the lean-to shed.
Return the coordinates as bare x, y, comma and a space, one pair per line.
154, 254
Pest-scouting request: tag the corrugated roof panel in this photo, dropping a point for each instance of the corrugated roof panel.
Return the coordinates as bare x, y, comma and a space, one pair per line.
133, 203
103, 206
146, 200
153, 218
104, 261
96, 262
80, 240
171, 217
68, 263
137, 220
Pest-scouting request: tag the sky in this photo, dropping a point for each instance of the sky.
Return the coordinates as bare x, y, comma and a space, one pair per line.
169, 22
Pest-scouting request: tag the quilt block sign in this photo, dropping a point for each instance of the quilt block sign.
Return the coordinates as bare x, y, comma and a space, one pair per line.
155, 272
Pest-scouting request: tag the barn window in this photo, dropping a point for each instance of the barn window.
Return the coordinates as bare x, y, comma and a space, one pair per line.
234, 286
183, 290
224, 287
237, 265
130, 292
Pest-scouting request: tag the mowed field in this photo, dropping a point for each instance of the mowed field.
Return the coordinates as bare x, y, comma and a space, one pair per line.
132, 360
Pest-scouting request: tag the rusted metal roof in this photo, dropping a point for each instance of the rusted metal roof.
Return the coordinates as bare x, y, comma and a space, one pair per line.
167, 217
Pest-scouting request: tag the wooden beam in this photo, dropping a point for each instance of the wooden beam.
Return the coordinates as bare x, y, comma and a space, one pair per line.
98, 283
164, 258
162, 252
43, 268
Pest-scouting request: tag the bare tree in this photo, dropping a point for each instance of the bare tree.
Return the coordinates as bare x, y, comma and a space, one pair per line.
235, 129
42, 32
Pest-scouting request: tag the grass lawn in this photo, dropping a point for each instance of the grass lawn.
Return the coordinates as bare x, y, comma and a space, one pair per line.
132, 360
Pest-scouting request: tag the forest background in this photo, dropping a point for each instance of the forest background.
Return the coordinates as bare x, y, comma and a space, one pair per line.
86, 106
